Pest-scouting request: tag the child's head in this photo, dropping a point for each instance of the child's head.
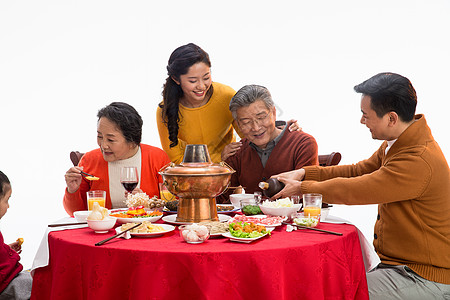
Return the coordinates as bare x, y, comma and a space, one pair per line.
5, 193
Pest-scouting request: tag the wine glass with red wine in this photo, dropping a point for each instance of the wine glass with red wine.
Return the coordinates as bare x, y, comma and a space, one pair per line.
129, 178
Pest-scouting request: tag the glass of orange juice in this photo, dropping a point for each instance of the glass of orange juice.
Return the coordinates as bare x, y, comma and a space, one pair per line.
96, 196
165, 194
312, 204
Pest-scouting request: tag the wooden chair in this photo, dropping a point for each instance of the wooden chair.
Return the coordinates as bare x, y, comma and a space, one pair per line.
330, 160
75, 157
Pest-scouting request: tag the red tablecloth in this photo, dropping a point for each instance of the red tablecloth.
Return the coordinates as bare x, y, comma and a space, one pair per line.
299, 265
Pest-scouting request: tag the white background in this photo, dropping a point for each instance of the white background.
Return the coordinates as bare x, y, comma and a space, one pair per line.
61, 61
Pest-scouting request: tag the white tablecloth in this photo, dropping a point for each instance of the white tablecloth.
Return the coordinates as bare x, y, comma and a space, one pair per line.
371, 259
42, 254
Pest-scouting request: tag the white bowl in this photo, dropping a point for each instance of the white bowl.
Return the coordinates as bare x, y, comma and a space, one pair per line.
102, 226
81, 215
280, 211
236, 198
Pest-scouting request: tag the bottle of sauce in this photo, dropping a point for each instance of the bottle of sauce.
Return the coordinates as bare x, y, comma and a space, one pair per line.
271, 187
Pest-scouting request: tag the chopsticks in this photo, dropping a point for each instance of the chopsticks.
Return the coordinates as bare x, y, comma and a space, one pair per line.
86, 174
116, 235
313, 228
66, 224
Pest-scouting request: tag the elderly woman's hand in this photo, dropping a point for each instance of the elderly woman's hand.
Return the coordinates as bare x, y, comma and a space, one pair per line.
73, 179
230, 150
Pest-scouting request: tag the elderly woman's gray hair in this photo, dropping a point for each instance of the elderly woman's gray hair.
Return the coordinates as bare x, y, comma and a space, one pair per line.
247, 95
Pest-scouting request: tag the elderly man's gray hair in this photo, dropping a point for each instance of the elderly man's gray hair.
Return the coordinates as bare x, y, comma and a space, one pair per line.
247, 95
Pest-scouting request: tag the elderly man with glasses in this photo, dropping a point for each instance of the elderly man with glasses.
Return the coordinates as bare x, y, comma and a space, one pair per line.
266, 150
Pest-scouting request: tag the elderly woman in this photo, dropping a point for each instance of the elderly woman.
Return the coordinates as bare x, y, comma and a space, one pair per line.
119, 131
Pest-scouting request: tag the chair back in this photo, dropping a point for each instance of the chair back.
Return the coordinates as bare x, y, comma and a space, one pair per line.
75, 157
331, 159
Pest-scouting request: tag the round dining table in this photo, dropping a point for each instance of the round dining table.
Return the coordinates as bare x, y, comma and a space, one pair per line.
302, 264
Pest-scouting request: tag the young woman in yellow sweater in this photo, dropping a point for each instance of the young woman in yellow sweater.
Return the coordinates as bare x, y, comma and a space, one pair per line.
194, 108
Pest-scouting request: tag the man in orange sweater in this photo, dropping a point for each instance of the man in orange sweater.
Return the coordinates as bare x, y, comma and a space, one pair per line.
409, 178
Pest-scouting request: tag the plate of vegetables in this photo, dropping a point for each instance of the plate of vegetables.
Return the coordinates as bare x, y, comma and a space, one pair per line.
246, 232
135, 214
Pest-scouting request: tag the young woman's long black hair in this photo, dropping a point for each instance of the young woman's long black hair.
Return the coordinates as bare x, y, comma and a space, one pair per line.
180, 61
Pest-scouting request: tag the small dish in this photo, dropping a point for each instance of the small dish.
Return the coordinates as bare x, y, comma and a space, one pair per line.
81, 215
236, 198
230, 209
102, 226
194, 233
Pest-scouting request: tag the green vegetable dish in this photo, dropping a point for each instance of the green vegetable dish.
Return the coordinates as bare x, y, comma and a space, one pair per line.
250, 210
247, 230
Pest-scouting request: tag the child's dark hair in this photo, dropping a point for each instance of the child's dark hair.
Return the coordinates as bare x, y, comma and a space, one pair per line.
5, 185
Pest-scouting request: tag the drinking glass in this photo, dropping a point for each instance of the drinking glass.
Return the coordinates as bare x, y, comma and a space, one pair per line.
129, 178
96, 196
312, 204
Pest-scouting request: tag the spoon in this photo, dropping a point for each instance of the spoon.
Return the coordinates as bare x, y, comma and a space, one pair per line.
89, 176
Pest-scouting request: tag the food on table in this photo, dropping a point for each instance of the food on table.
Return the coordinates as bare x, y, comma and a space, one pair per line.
136, 212
145, 227
172, 205
284, 202
308, 222
271, 221
143, 199
215, 227
20, 241
225, 207
247, 230
98, 213
251, 209
267, 221
194, 233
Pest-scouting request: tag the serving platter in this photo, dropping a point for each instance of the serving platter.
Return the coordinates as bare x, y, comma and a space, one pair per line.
245, 240
172, 219
135, 219
167, 227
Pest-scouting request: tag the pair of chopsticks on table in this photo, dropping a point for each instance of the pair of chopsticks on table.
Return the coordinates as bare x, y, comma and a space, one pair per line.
66, 224
116, 235
313, 228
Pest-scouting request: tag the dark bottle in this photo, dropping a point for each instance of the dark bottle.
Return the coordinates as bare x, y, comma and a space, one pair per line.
271, 187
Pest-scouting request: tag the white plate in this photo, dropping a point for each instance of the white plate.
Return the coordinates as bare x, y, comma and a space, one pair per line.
168, 228
227, 211
245, 240
172, 219
134, 220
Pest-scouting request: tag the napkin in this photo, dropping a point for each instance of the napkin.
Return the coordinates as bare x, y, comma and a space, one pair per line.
42, 254
370, 257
